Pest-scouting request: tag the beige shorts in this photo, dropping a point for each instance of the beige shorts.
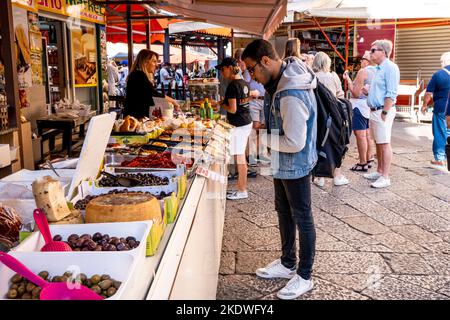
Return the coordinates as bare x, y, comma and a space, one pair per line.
239, 139
381, 130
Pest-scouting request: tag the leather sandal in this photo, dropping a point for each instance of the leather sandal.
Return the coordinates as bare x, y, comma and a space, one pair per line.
360, 167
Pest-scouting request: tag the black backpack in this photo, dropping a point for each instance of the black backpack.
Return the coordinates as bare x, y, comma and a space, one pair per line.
333, 131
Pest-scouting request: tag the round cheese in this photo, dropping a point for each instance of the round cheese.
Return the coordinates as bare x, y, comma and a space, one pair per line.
123, 207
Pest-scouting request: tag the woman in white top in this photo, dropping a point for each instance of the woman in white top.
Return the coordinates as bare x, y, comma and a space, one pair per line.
361, 111
322, 67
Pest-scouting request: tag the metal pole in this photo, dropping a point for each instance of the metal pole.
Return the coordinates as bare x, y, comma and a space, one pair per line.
148, 36
166, 46
183, 55
129, 36
347, 39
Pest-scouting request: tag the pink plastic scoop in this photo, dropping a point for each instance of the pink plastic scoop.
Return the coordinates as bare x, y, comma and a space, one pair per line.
50, 291
50, 245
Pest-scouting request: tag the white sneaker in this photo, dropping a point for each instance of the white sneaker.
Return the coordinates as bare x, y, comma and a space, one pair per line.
340, 181
320, 182
372, 176
237, 195
382, 182
295, 288
275, 269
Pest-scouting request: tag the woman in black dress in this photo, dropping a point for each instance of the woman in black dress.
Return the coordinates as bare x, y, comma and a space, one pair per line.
140, 86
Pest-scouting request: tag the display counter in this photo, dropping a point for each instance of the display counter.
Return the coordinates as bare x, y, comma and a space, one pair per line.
189, 251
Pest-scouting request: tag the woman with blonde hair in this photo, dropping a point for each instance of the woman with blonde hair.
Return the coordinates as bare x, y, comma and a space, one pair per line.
292, 48
322, 68
141, 87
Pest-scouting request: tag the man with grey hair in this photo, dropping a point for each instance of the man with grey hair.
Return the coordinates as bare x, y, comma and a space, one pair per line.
438, 89
381, 100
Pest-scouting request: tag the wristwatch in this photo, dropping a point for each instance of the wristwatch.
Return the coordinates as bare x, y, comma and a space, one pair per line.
384, 112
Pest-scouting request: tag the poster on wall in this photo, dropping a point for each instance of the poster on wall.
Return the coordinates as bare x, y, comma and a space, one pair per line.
84, 52
103, 52
24, 74
35, 48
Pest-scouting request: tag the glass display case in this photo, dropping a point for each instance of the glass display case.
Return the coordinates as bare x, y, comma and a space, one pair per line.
204, 88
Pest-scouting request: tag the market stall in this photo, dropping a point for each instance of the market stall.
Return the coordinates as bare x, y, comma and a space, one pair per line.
157, 232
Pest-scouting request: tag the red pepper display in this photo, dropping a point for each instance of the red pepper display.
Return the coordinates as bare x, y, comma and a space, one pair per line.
160, 160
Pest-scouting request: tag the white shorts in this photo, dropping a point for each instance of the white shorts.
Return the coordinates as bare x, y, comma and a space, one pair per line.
239, 139
257, 110
381, 130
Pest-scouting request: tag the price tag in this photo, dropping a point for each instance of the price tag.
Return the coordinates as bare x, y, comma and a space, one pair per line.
214, 176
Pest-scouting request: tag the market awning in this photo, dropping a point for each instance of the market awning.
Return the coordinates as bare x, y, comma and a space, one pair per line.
200, 27
380, 9
260, 17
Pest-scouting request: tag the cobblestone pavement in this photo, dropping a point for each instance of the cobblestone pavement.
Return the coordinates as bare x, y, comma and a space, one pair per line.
371, 244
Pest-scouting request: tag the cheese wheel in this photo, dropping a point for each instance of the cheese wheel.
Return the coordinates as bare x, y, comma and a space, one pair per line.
123, 207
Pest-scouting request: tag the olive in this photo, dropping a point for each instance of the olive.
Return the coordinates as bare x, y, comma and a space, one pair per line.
27, 296
111, 248
30, 287
79, 243
98, 248
96, 289
114, 240
105, 284
105, 277
86, 236
82, 277
14, 287
132, 243
88, 283
21, 290
122, 240
73, 237
127, 247
97, 236
111, 291
17, 278
95, 279
105, 247
121, 247
105, 237
92, 245
68, 274
131, 239
56, 279
85, 249
12, 294
43, 275
137, 244
36, 292
64, 279
117, 284
57, 238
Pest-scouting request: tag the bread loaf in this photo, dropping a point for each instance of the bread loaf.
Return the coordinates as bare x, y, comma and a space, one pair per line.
123, 207
49, 197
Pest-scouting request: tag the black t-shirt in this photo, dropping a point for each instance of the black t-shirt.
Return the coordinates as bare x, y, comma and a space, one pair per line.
139, 95
239, 90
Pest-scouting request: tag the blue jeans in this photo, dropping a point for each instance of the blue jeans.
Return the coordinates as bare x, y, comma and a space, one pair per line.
440, 133
293, 205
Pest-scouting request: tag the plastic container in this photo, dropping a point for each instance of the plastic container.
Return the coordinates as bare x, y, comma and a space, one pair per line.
119, 266
140, 230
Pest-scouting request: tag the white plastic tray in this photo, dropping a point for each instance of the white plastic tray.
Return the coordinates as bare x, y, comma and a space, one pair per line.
119, 267
138, 229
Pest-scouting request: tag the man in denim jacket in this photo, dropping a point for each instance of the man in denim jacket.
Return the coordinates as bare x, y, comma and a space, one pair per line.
290, 113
